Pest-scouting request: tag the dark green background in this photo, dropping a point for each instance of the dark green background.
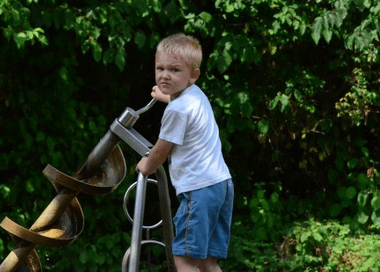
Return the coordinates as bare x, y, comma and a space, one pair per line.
294, 87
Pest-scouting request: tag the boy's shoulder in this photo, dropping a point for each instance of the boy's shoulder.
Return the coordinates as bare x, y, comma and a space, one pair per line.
191, 95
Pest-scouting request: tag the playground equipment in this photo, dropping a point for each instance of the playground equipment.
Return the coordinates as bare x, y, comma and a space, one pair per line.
62, 221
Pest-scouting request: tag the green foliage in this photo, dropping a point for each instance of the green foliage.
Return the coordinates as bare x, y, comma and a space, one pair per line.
330, 247
357, 104
305, 246
294, 87
266, 212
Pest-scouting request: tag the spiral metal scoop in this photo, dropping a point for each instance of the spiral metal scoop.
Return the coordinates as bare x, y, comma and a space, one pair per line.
62, 221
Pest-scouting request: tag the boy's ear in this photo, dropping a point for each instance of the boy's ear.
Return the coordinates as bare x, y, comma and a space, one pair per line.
195, 75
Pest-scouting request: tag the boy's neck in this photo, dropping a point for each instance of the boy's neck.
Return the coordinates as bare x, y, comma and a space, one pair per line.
176, 95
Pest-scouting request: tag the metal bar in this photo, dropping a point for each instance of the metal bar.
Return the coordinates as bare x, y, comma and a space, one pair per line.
131, 137
147, 107
137, 227
166, 213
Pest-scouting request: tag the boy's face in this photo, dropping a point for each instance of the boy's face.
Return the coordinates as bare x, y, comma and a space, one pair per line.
173, 75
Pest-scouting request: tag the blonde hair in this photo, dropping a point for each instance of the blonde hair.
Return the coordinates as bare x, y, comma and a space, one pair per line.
186, 47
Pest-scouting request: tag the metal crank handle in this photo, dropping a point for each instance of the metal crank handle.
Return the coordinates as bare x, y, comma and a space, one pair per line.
147, 107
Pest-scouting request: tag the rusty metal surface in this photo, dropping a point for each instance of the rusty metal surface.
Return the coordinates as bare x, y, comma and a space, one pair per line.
62, 221
105, 180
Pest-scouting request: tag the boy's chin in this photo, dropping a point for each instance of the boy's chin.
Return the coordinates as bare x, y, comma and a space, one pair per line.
166, 89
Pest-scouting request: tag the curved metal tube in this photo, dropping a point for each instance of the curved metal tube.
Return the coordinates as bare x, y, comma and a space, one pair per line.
125, 200
147, 107
128, 252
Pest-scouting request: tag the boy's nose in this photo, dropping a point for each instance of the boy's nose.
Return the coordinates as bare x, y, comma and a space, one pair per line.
165, 74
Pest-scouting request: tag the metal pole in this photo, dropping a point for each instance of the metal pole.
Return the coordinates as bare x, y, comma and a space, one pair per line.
166, 213
137, 227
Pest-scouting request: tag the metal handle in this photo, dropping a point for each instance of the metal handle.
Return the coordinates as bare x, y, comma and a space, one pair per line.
147, 107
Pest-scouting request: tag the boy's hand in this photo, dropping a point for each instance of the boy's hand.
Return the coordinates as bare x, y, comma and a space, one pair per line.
141, 167
159, 96
157, 156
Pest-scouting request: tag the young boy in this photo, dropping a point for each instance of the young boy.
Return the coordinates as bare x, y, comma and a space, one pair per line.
190, 136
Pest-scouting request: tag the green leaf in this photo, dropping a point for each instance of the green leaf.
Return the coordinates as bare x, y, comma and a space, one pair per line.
375, 203
20, 39
8, 33
350, 192
273, 103
305, 236
317, 28
341, 192
97, 52
352, 163
327, 34
362, 199
263, 126
157, 6
362, 180
83, 256
375, 217
5, 191
100, 259
284, 99
224, 61
250, 54
120, 58
109, 56
206, 17
50, 142
367, 3
317, 237
340, 15
140, 39
29, 185
331, 19
362, 217
64, 74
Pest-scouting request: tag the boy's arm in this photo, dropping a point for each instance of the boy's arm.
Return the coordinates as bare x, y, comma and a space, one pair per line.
157, 156
159, 96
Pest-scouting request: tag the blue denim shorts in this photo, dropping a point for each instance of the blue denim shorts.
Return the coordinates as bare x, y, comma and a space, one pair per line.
203, 222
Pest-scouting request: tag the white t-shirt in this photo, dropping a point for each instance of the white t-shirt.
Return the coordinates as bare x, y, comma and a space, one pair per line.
196, 160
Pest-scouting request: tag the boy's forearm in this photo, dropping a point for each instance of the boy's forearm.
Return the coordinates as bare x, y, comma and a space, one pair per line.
157, 156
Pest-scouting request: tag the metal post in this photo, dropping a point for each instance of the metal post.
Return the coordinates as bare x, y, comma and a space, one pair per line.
138, 223
163, 193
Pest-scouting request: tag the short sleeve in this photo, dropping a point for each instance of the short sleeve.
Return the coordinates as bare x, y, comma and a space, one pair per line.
173, 127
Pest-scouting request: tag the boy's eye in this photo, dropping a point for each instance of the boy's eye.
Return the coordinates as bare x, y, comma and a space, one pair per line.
175, 70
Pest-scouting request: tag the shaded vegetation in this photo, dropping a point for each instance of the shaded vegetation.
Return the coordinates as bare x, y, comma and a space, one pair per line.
295, 90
